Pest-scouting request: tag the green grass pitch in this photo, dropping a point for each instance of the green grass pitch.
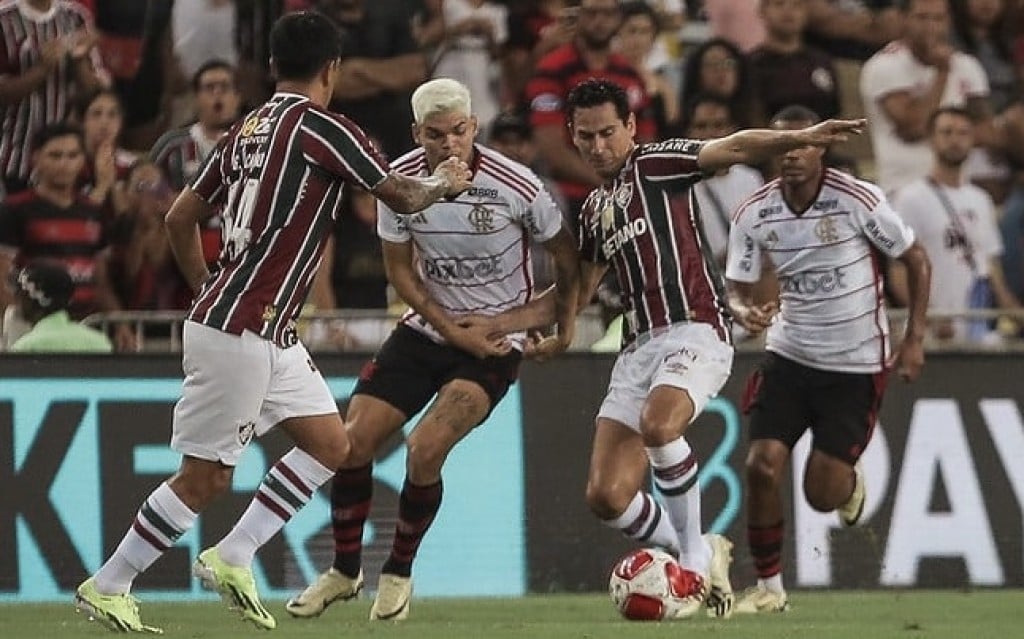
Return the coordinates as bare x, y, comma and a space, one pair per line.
983, 614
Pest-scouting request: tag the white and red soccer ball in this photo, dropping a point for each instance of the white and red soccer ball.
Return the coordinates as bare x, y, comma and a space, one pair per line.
650, 585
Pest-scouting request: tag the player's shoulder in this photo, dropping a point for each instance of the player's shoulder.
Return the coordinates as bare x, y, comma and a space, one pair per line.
507, 174
854, 190
412, 163
9, 7
744, 175
678, 146
759, 204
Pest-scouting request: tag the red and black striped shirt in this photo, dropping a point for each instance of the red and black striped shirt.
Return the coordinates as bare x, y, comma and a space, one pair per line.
23, 30
644, 225
561, 70
32, 227
277, 176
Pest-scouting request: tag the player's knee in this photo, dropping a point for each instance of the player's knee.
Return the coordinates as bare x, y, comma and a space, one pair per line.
762, 472
820, 500
605, 501
198, 485
361, 449
424, 456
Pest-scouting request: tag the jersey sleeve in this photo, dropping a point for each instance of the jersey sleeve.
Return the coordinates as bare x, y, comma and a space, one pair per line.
209, 181
974, 79
674, 159
743, 257
340, 147
391, 226
542, 219
883, 227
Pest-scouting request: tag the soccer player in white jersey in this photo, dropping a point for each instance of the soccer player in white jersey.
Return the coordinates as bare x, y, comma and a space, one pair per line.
276, 178
465, 257
676, 351
826, 234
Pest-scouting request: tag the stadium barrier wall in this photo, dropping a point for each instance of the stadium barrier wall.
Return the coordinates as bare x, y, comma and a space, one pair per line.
84, 440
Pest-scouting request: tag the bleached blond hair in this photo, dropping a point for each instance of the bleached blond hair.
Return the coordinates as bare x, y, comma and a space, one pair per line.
442, 95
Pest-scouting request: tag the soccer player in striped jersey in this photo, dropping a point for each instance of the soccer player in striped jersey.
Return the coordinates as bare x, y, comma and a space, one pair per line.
826, 234
464, 257
676, 350
276, 178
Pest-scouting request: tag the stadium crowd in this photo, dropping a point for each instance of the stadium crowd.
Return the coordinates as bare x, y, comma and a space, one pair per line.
109, 109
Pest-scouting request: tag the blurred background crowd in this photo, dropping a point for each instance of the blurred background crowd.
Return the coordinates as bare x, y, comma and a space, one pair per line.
110, 106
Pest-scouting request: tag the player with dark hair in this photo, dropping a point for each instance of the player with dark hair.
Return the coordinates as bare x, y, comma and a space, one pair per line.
676, 350
828, 342
276, 177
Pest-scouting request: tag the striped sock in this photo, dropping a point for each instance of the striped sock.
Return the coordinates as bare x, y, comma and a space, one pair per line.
287, 488
417, 507
766, 548
675, 475
645, 520
162, 519
351, 492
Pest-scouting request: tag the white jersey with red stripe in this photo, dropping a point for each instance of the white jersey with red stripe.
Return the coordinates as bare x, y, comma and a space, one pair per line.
827, 260
473, 252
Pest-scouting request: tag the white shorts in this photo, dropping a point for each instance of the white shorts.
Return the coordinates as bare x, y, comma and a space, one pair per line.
240, 386
686, 356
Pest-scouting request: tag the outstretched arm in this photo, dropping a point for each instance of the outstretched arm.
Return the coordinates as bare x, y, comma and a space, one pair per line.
753, 146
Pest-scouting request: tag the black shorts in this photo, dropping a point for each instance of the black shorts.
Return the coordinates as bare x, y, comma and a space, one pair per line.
784, 398
410, 368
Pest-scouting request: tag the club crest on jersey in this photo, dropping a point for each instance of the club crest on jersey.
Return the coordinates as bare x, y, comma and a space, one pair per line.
269, 313
481, 218
826, 230
623, 195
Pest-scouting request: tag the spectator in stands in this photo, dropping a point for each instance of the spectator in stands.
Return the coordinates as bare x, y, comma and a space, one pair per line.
718, 196
135, 43
180, 152
475, 30
736, 21
52, 220
955, 221
106, 163
980, 29
204, 30
535, 28
717, 67
381, 66
589, 55
785, 70
903, 84
47, 54
852, 29
636, 42
139, 263
43, 291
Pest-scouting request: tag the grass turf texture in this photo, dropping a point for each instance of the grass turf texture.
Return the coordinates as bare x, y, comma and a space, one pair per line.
832, 615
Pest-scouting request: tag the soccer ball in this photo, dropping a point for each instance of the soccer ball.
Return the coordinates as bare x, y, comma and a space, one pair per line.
650, 585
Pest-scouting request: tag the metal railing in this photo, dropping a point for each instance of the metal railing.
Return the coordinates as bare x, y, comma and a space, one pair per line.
352, 330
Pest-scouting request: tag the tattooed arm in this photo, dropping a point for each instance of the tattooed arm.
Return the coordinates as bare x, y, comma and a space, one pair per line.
406, 194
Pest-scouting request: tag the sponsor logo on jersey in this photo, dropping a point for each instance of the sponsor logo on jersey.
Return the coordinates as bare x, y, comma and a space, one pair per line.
449, 269
825, 205
481, 192
878, 235
811, 282
769, 211
747, 261
627, 233
246, 432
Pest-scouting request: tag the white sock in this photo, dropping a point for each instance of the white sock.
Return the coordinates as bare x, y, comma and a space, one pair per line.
675, 475
773, 583
287, 488
162, 519
646, 521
